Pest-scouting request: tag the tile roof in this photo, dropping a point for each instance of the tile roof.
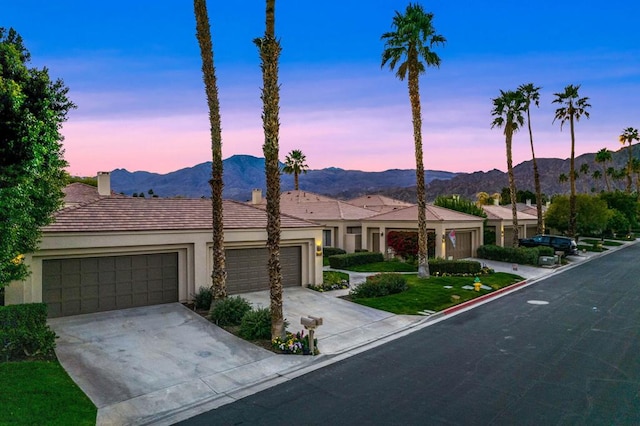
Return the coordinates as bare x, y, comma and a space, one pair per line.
504, 213
433, 213
81, 193
310, 206
154, 214
379, 203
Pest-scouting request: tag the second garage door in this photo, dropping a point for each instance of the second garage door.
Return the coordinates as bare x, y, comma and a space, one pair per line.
247, 269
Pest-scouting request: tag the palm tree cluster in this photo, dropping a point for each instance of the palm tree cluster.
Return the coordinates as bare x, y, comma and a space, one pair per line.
508, 112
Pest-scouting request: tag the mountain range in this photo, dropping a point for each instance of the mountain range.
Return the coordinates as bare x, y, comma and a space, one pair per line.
243, 173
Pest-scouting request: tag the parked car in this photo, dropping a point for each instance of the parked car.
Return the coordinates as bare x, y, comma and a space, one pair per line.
558, 243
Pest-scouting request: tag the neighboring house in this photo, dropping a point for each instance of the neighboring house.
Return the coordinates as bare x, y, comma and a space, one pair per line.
457, 235
116, 252
379, 203
500, 221
341, 221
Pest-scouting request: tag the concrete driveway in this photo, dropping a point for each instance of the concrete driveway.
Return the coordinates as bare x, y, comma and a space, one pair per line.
144, 365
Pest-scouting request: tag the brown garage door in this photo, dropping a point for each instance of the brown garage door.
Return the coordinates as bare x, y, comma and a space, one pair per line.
462, 249
247, 269
95, 284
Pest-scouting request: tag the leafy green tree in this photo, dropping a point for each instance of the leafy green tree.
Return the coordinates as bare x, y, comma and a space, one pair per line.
572, 107
618, 223
531, 95
294, 164
507, 112
603, 157
627, 204
409, 46
32, 110
629, 135
269, 48
203, 34
592, 214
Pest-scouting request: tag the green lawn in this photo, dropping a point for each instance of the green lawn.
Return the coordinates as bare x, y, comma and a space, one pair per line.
432, 295
41, 393
386, 266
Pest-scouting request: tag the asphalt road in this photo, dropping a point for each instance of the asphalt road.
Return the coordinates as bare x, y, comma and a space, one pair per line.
564, 351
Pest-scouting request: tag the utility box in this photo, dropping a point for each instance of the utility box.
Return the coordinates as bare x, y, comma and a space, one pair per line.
546, 260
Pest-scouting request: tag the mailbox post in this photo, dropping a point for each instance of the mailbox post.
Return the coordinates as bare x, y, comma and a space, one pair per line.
311, 323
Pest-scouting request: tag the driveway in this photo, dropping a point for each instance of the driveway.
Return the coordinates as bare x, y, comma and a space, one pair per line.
141, 365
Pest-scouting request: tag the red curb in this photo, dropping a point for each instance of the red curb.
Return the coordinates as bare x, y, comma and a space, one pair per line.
481, 298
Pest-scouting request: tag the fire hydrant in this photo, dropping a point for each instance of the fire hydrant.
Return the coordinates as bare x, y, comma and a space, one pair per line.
477, 284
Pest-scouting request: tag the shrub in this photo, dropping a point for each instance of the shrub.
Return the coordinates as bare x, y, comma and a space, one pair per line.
523, 255
24, 333
454, 267
546, 251
203, 298
229, 311
331, 251
256, 324
345, 260
403, 243
380, 285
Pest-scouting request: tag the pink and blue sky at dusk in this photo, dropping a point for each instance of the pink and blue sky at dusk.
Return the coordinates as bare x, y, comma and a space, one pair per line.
133, 69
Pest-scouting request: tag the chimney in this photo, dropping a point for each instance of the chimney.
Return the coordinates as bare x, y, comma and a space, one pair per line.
529, 202
104, 184
496, 201
256, 196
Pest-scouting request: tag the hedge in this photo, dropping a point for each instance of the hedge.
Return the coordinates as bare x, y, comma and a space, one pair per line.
380, 285
454, 267
522, 255
24, 333
331, 251
340, 261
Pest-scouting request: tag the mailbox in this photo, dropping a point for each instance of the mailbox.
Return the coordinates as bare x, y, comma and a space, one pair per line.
310, 323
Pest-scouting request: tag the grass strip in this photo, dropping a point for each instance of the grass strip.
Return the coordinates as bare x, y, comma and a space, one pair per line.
42, 393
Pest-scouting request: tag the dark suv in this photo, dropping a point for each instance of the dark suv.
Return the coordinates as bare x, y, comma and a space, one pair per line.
565, 244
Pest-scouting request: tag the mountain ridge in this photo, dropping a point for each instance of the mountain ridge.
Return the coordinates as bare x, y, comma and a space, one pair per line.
243, 173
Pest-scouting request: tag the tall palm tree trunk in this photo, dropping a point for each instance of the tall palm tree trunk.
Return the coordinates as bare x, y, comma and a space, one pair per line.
414, 98
512, 186
270, 53
536, 179
629, 183
296, 181
203, 34
572, 179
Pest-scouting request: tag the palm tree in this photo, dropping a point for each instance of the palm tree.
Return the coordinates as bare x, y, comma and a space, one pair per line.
563, 178
483, 198
294, 164
603, 156
572, 108
409, 46
628, 136
203, 34
532, 94
584, 172
270, 49
596, 175
507, 110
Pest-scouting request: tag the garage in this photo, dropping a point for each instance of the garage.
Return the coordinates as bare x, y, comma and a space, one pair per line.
247, 269
463, 248
94, 284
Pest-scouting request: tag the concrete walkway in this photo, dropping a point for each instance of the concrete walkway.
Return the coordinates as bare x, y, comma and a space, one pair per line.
162, 364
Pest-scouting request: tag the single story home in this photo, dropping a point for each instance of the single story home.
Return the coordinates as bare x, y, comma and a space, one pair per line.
340, 220
500, 221
111, 252
457, 235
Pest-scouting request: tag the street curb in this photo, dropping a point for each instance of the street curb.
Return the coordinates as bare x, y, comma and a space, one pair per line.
484, 297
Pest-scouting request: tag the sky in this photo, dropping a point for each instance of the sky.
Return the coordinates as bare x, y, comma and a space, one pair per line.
134, 71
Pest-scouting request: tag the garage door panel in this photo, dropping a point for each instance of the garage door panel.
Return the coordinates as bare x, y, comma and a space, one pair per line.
84, 285
247, 269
